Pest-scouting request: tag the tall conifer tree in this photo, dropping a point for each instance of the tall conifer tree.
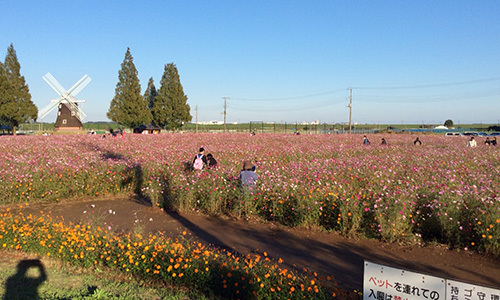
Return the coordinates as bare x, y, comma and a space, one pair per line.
128, 107
150, 94
5, 95
170, 109
15, 99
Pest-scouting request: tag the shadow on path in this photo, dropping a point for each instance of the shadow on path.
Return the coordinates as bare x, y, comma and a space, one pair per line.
200, 233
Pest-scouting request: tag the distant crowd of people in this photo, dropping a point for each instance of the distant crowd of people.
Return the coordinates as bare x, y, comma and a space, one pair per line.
470, 143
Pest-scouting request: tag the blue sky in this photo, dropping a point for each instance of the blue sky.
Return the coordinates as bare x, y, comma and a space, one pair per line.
408, 62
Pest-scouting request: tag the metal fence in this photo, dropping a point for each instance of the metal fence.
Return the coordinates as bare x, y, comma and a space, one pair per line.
255, 127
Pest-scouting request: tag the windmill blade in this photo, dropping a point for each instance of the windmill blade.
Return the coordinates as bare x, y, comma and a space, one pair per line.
47, 109
80, 85
67, 97
71, 101
54, 84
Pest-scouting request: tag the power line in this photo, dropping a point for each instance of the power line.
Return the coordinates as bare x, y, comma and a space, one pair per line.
289, 98
287, 108
427, 85
430, 98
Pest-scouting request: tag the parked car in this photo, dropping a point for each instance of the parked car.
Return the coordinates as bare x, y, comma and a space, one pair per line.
453, 134
470, 133
495, 134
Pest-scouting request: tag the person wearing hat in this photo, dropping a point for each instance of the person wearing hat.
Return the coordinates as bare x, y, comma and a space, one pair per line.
248, 176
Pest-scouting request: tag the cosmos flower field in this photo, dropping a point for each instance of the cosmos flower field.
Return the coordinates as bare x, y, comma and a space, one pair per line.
440, 191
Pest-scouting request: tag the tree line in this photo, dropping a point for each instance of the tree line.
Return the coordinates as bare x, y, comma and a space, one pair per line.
166, 107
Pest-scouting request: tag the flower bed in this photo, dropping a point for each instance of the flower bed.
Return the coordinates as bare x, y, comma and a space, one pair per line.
439, 191
177, 262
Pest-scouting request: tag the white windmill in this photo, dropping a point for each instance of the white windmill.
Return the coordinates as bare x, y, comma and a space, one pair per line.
70, 115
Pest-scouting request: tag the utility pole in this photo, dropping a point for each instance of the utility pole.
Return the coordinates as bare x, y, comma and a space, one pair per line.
350, 109
224, 113
196, 130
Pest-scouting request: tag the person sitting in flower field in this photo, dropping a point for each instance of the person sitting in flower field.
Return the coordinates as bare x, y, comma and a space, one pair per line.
417, 141
384, 142
365, 140
212, 163
200, 159
247, 176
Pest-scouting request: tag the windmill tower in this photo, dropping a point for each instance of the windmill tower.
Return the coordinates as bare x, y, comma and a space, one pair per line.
69, 115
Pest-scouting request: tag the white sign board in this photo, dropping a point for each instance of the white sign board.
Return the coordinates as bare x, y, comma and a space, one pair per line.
464, 291
385, 283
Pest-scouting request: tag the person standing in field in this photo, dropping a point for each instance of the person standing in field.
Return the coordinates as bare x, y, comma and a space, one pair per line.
248, 177
472, 142
200, 159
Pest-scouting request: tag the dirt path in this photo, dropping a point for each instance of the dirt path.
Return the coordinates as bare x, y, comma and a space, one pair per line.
324, 253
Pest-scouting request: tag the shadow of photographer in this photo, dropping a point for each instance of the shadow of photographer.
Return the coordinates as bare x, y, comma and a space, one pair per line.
23, 285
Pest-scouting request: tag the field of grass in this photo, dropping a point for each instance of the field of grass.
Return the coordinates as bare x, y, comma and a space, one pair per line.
64, 281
